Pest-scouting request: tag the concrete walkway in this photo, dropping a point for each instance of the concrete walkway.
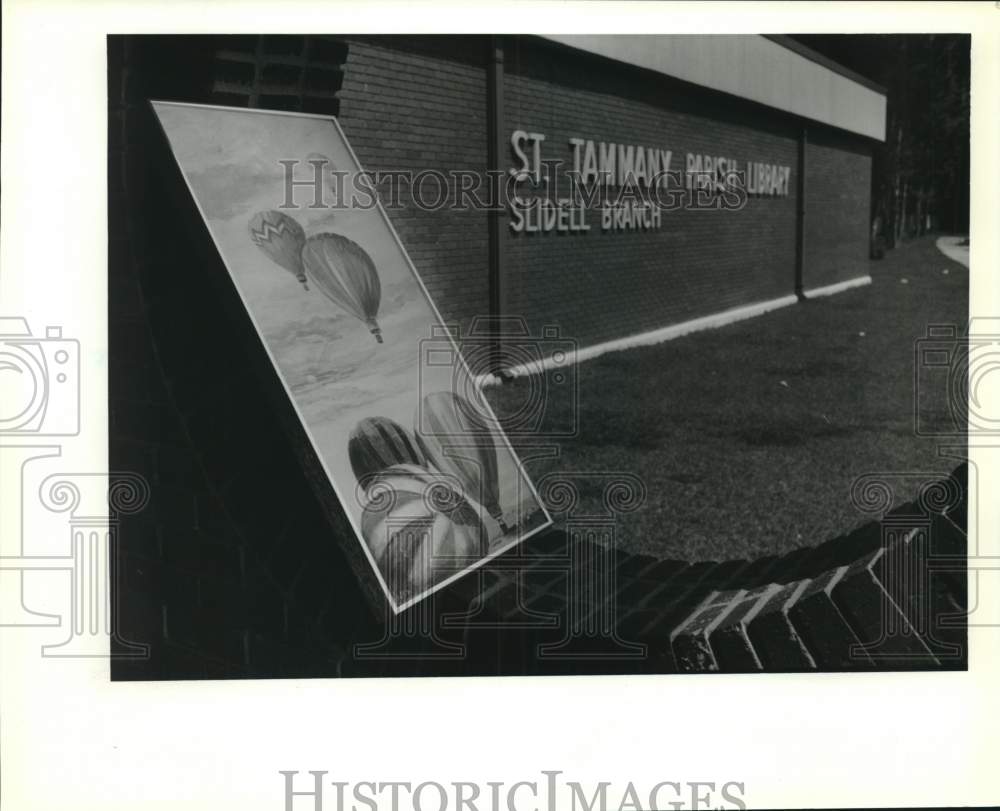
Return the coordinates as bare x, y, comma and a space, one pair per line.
950, 247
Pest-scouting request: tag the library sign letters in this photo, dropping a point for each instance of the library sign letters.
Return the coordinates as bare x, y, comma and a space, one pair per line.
626, 187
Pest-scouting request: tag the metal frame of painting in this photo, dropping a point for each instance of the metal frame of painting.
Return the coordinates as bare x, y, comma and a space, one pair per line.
428, 484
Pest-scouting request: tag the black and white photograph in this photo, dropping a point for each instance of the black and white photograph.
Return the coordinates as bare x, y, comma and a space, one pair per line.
532, 405
609, 354
617, 354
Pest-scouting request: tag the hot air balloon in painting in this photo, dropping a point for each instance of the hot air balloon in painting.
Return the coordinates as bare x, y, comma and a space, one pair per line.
457, 440
282, 239
420, 529
377, 443
344, 272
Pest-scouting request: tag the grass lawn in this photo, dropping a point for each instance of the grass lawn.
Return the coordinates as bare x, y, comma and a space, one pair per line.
749, 437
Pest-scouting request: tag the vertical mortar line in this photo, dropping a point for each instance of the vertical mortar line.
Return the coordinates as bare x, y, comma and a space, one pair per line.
800, 214
495, 140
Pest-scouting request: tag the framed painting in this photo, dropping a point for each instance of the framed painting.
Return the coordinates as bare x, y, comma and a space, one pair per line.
396, 419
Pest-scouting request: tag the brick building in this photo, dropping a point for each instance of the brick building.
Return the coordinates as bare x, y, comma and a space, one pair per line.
453, 104
231, 570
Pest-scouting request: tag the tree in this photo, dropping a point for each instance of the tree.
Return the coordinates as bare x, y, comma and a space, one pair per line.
921, 172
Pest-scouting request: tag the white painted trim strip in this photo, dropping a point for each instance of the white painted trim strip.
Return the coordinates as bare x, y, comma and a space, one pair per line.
839, 287
668, 333
650, 338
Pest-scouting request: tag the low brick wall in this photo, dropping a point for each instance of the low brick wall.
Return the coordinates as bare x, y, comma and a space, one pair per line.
890, 595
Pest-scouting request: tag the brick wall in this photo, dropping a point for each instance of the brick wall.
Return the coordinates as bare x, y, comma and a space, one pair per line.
419, 103
601, 285
838, 200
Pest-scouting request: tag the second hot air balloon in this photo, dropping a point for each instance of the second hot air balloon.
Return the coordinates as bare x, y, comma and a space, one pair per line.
420, 529
345, 273
457, 440
282, 239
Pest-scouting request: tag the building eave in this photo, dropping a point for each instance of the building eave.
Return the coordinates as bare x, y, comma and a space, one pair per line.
762, 69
